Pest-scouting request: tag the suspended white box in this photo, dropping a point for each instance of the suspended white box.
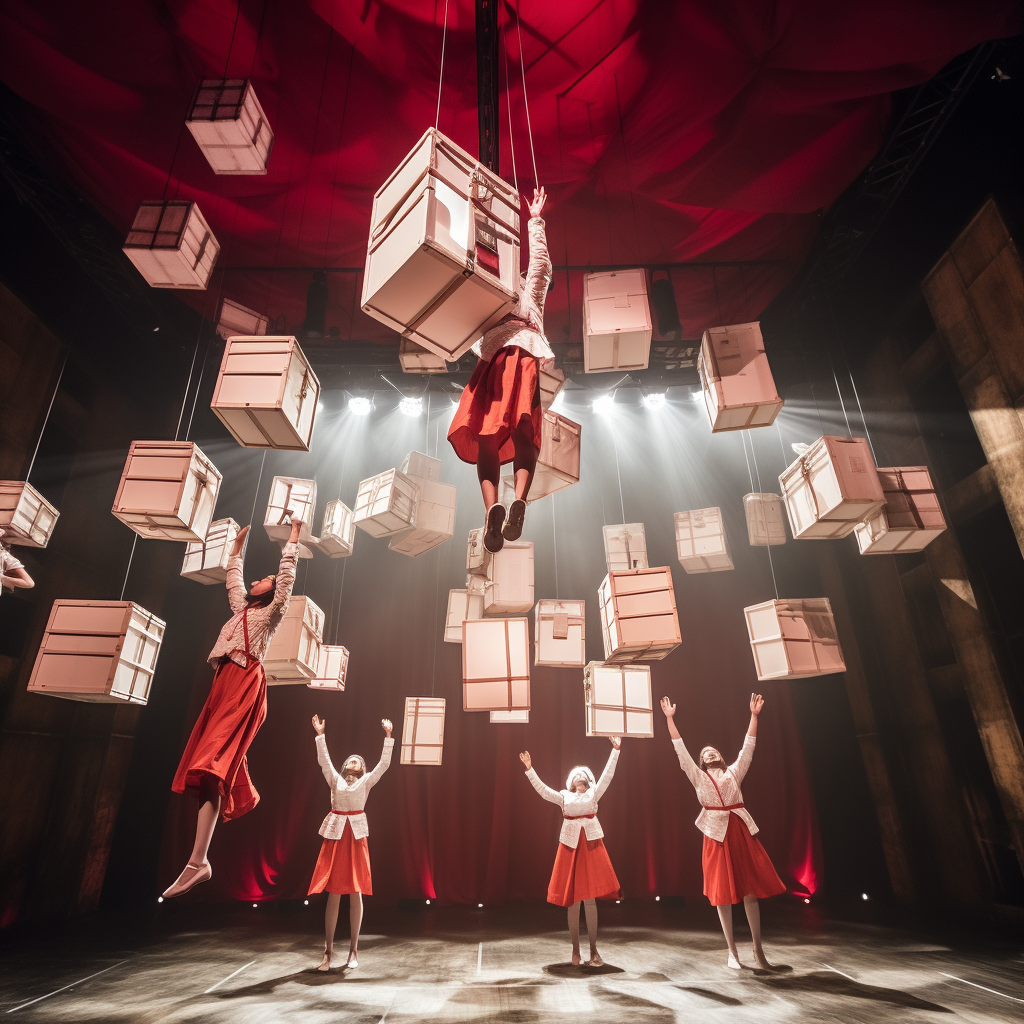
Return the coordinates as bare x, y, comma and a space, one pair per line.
558, 464
294, 652
168, 490
416, 464
415, 358
238, 320
552, 382
509, 587
560, 633
794, 639
739, 391
638, 615
206, 561
266, 393
701, 541
618, 700
496, 665
766, 519
478, 558
338, 531
435, 519
625, 547
616, 321
26, 516
290, 494
386, 503
228, 122
510, 717
102, 651
911, 517
423, 731
462, 605
442, 264
331, 669
831, 488
171, 245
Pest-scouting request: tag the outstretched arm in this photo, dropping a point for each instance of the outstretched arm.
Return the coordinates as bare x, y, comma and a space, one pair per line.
319, 725
545, 791
385, 755
235, 582
18, 579
286, 570
686, 762
741, 765
609, 769
538, 272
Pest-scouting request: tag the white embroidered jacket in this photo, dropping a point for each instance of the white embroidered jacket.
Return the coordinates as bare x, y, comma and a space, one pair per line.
579, 810
529, 307
349, 798
713, 823
8, 563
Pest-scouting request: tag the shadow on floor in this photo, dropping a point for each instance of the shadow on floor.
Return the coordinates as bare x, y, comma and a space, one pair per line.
837, 985
569, 970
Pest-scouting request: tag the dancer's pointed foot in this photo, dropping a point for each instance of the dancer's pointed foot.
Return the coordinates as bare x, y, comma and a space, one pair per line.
734, 963
493, 540
325, 964
576, 958
352, 962
595, 959
192, 875
514, 521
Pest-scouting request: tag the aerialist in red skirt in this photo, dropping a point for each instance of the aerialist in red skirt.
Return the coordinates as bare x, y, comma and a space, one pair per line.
344, 862
736, 866
499, 418
214, 765
583, 872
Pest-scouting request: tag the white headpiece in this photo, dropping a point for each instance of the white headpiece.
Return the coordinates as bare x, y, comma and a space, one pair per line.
354, 757
577, 772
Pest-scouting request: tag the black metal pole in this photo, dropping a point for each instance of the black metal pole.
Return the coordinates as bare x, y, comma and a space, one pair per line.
487, 81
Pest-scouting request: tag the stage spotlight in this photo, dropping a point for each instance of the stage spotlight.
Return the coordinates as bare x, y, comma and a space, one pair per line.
254, 906
360, 405
618, 901
428, 903
558, 402
411, 406
657, 899
319, 406
863, 895
159, 899
654, 400
479, 906
696, 396
806, 899
305, 903
605, 404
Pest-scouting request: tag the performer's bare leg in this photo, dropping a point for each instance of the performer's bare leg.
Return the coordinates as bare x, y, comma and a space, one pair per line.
330, 925
725, 916
355, 922
574, 932
590, 906
753, 910
198, 867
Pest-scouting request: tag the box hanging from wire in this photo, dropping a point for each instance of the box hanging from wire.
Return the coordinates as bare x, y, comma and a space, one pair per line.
739, 390
558, 464
496, 665
617, 326
415, 358
638, 615
228, 123
386, 503
793, 639
294, 652
478, 558
171, 245
423, 731
416, 465
625, 547
331, 669
766, 519
291, 497
509, 586
911, 517
462, 605
435, 519
560, 633
338, 530
235, 319
617, 700
510, 717
206, 561
701, 541
552, 382
26, 516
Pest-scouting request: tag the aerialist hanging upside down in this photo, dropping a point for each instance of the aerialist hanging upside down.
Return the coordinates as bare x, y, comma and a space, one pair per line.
499, 418
214, 765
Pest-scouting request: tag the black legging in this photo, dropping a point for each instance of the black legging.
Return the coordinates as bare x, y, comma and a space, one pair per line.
488, 461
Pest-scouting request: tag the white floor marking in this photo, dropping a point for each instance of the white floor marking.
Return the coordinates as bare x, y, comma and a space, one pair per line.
479, 958
229, 977
974, 984
839, 972
81, 981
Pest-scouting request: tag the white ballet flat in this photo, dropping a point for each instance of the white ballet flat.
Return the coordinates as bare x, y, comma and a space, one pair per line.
734, 964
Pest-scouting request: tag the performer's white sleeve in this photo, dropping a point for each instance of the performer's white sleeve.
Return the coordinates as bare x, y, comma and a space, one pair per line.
235, 583
538, 272
686, 762
545, 791
325, 761
382, 765
741, 765
606, 775
285, 576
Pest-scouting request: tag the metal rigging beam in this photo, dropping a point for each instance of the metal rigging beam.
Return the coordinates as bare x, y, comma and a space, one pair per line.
487, 81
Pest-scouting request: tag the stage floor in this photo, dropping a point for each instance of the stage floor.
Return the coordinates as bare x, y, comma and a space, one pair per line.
664, 963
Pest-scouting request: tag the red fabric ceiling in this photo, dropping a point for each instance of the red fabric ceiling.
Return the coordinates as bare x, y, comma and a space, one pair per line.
665, 131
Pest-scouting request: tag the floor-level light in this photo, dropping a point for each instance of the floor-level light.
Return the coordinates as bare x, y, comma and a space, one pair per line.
411, 406
657, 899
254, 906
863, 895
480, 906
305, 903
159, 899
655, 399
618, 901
360, 405
605, 403
428, 903
807, 899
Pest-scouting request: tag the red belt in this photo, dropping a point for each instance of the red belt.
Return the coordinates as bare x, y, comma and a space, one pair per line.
723, 807
576, 817
333, 811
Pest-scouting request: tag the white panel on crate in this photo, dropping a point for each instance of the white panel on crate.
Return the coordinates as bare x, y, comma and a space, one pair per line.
26, 516
794, 639
415, 358
462, 605
552, 382
509, 587
739, 391
386, 503
560, 633
168, 490
206, 561
766, 519
171, 245
267, 393
510, 717
478, 558
616, 321
338, 531
496, 665
911, 517
701, 541
294, 652
236, 319
442, 264
639, 621
290, 494
625, 547
558, 464
228, 122
435, 519
416, 464
423, 731
331, 668
101, 651
831, 488
618, 700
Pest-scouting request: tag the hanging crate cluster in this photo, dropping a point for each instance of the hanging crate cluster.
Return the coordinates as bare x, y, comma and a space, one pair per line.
739, 391
235, 319
911, 517
171, 245
638, 615
552, 382
26, 516
415, 358
625, 547
291, 497
294, 652
616, 321
618, 700
206, 561
477, 556
508, 589
701, 541
386, 503
560, 634
435, 507
338, 531
794, 639
496, 664
229, 125
331, 669
766, 519
423, 731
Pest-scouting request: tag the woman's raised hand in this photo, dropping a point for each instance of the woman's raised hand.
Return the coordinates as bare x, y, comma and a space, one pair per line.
319, 725
297, 525
386, 722
526, 759
240, 540
539, 199
616, 741
756, 703
668, 707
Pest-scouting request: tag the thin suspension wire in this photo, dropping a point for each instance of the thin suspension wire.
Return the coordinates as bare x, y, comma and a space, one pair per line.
746, 458
440, 77
46, 419
259, 36
128, 568
433, 632
810, 379
554, 543
622, 501
771, 562
188, 385
526, 99
508, 104
259, 480
849, 371
782, 447
231, 44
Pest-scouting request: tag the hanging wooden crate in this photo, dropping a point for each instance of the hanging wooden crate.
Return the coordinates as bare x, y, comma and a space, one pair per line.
338, 530
552, 382
510, 717
294, 652
206, 561
638, 615
171, 245
478, 558
26, 516
496, 665
831, 488
911, 517
701, 541
560, 634
168, 491
435, 519
415, 358
101, 651
625, 547
416, 465
616, 321
236, 320
442, 264
509, 587
793, 639
558, 464
331, 669
618, 701
766, 519
386, 503
290, 494
462, 605
423, 731
739, 391
228, 122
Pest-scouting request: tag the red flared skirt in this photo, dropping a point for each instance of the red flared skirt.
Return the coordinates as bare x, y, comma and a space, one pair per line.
228, 723
500, 394
738, 867
584, 873
343, 866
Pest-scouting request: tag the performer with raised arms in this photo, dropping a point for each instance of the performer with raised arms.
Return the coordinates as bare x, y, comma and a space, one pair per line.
12, 572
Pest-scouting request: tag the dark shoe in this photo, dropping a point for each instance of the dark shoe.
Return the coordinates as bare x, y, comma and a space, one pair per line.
493, 539
514, 523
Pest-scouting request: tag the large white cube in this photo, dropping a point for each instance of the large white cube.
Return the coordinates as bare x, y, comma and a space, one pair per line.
701, 541
638, 615
478, 558
462, 605
496, 665
267, 393
509, 587
435, 519
423, 731
560, 633
26, 516
616, 321
552, 382
794, 639
168, 491
416, 464
911, 517
171, 245
294, 652
331, 669
558, 464
228, 122
766, 519
290, 494
625, 547
831, 488
238, 320
618, 700
415, 358
206, 561
510, 717
739, 391
338, 531
442, 265
386, 503
101, 651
